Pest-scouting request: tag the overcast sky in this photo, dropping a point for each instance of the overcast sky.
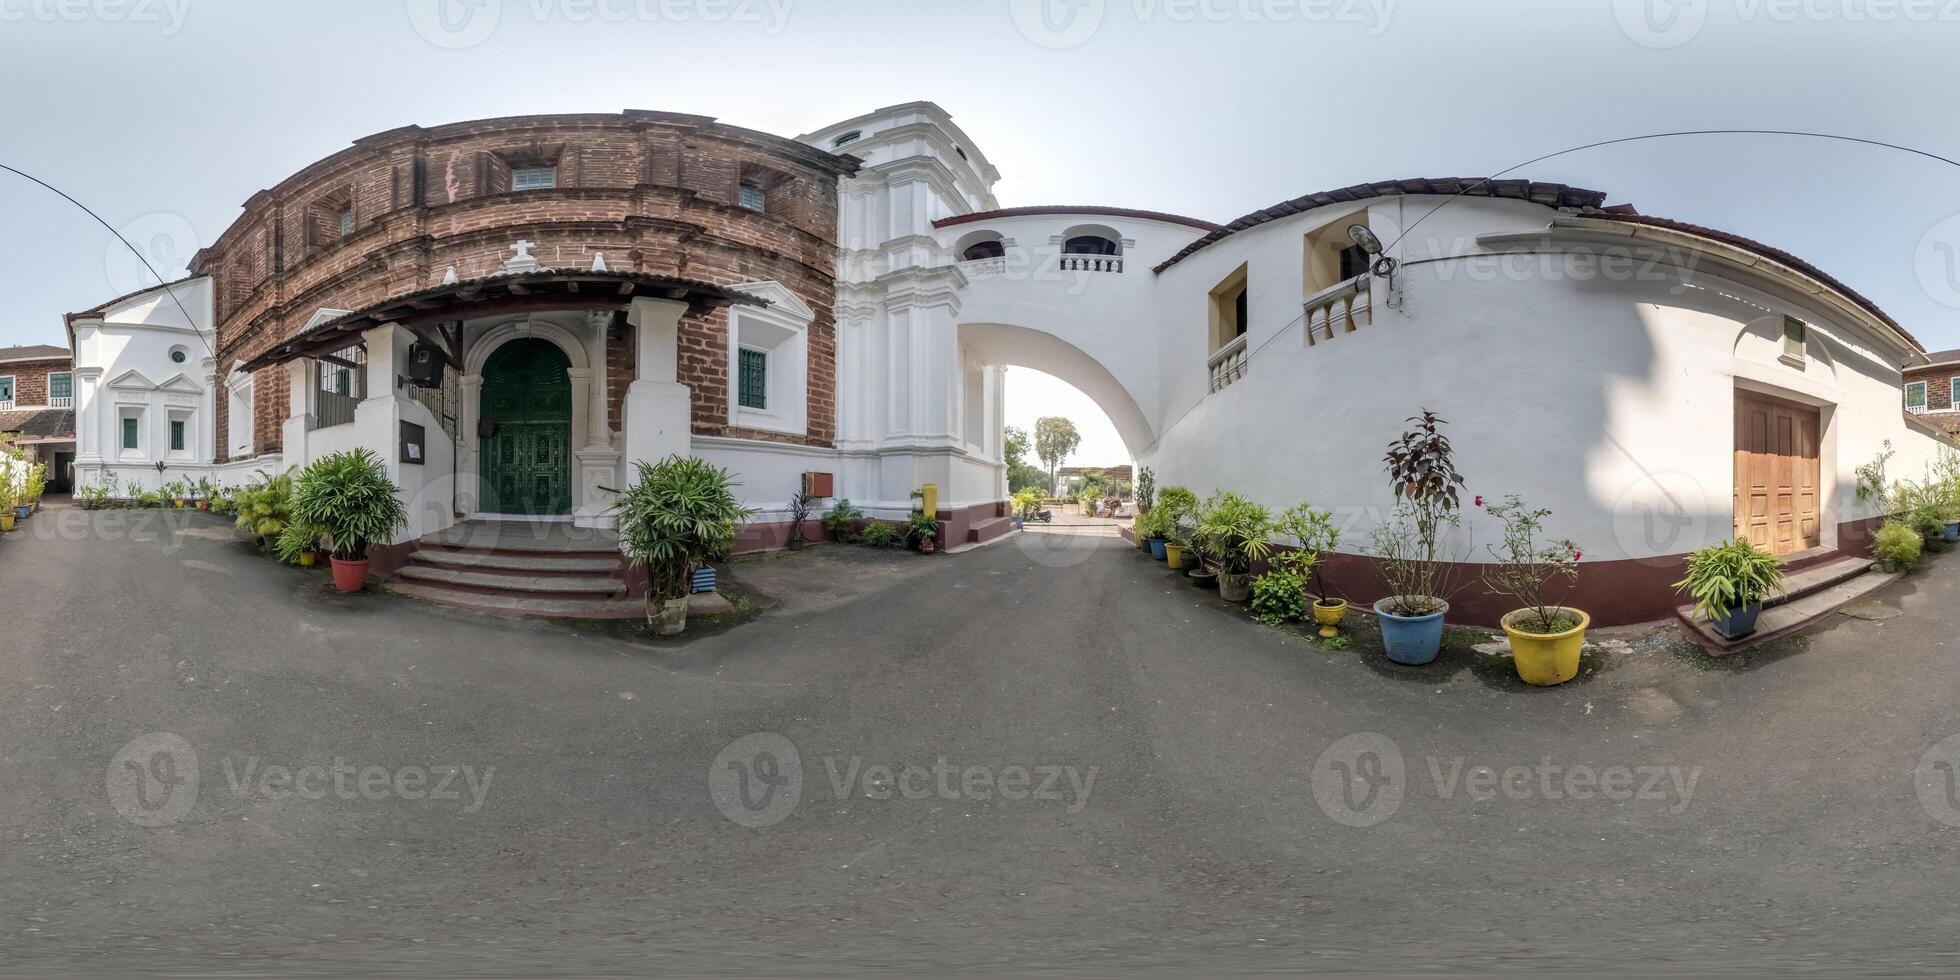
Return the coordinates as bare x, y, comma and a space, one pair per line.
165, 115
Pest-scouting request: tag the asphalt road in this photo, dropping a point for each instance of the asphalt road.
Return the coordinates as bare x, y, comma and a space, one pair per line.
1041, 755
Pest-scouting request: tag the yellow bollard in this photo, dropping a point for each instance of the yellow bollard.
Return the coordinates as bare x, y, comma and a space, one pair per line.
931, 491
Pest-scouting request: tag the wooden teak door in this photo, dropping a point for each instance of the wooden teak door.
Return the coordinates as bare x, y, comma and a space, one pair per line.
1777, 474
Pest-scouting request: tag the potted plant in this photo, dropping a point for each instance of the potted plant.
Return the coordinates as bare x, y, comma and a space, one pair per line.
842, 521
348, 495
1896, 546
679, 515
1026, 501
923, 531
1238, 533
799, 514
1546, 635
1146, 490
264, 507
1729, 582
299, 544
1316, 537
37, 483
1411, 546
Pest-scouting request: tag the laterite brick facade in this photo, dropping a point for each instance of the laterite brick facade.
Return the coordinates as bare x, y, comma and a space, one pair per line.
658, 193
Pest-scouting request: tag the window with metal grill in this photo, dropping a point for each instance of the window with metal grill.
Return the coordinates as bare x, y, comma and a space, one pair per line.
752, 383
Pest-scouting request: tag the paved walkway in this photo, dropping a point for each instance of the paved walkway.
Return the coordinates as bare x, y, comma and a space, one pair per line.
1111, 774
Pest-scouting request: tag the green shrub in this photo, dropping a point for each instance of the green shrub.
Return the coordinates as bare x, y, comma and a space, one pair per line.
350, 496
680, 515
879, 534
1279, 596
1236, 531
842, 521
1731, 575
296, 539
1897, 542
265, 505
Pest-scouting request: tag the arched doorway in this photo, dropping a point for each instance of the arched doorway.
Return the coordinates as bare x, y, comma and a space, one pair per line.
525, 430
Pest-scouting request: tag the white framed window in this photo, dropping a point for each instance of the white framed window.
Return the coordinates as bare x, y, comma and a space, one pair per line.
180, 435
1795, 334
6, 391
848, 138
754, 197
768, 360
1916, 396
1953, 394
346, 222
533, 178
129, 432
61, 389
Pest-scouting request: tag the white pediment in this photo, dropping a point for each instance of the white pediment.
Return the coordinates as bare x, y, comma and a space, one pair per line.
779, 297
182, 384
133, 379
324, 315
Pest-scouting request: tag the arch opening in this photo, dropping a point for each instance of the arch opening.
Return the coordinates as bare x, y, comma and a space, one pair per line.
1011, 346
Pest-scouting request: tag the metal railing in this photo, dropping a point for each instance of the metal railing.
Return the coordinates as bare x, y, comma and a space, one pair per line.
1229, 364
339, 380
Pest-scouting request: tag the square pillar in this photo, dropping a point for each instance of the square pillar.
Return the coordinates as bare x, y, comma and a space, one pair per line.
658, 406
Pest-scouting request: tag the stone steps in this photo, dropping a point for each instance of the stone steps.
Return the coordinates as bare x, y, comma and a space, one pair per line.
1810, 596
522, 605
532, 563
521, 569
600, 586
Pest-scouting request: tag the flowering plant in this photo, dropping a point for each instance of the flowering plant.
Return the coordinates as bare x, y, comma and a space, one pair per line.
1530, 572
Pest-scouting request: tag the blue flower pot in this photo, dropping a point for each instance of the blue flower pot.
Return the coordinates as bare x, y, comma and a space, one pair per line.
1412, 640
1739, 622
1157, 549
1953, 531
23, 512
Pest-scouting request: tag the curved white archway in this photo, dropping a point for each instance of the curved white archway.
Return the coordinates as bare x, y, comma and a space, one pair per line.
487, 344
1036, 350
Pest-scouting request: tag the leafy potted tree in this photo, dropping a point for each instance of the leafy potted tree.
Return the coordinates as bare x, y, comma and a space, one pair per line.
842, 521
1316, 537
1729, 582
1146, 490
1238, 534
1546, 635
679, 515
1896, 546
1411, 546
349, 496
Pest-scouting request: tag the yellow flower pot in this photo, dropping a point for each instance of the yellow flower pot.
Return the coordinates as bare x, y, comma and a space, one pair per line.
1174, 556
307, 559
1547, 661
7, 520
1329, 616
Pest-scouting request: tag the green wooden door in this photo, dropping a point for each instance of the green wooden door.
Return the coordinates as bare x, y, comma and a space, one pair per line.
527, 459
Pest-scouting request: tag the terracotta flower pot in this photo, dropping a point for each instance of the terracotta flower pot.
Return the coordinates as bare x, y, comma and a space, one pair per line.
350, 576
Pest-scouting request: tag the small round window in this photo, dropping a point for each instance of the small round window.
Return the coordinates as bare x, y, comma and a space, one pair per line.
177, 357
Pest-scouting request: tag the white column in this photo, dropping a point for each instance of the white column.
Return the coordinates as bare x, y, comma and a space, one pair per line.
469, 391
657, 404
596, 459
299, 412
89, 447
